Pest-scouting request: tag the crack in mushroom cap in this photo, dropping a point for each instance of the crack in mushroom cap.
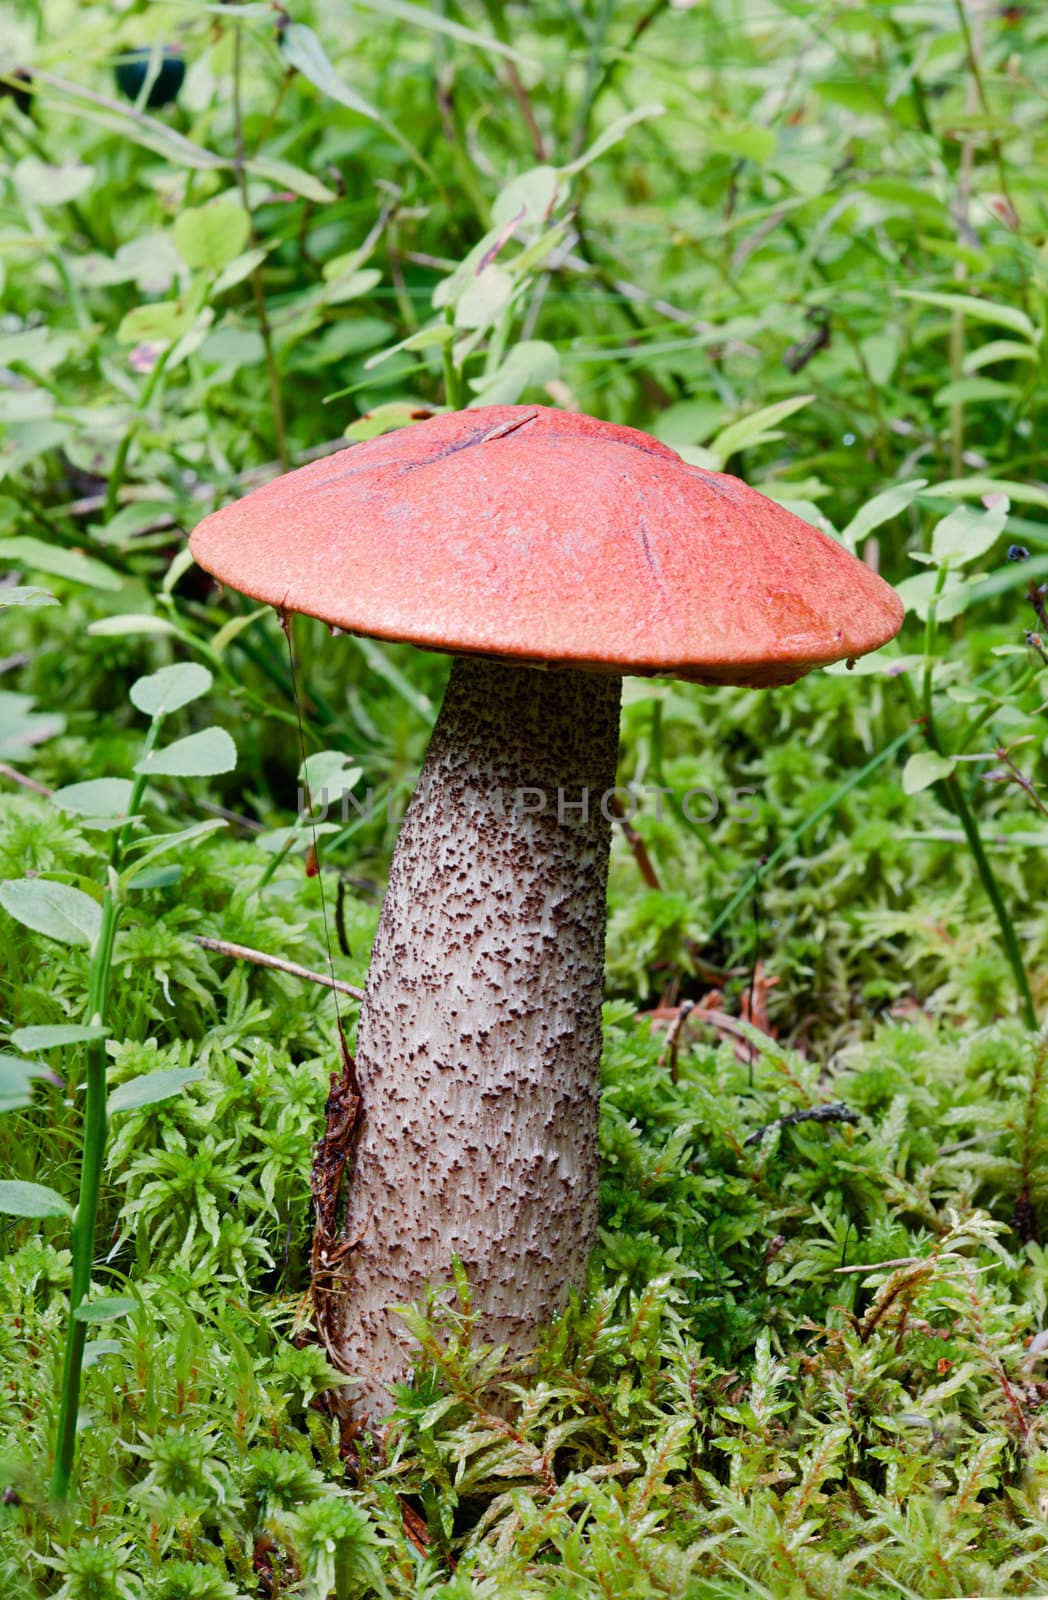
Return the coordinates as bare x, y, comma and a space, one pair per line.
548, 538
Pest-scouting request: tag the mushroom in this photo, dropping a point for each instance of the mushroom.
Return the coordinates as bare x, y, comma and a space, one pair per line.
550, 553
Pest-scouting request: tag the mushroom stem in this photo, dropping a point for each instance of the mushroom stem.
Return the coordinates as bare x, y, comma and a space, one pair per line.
478, 1048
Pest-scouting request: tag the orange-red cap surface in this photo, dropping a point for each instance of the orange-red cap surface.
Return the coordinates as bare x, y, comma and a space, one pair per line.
542, 536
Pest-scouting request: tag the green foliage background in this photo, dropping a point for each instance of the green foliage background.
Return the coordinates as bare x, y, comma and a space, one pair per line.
732, 223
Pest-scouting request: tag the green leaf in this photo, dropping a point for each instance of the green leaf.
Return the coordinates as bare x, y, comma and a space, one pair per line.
612, 135
533, 196
806, 174
1013, 575
328, 775
151, 1088
198, 755
95, 1349
383, 419
979, 310
22, 596
239, 268
433, 336
154, 878
121, 529
997, 350
918, 594
972, 391
53, 909
130, 622
107, 1309
21, 1199
302, 49
56, 1036
287, 176
41, 183
748, 140
351, 285
209, 237
21, 727
966, 534
1028, 494
160, 322
156, 845
16, 1080
59, 562
757, 428
170, 689
96, 797
484, 298
924, 769
26, 404
436, 22
180, 565
138, 126
235, 627
529, 365
882, 508
174, 147
878, 665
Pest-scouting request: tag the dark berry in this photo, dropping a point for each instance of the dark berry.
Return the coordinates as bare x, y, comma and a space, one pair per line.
132, 69
11, 88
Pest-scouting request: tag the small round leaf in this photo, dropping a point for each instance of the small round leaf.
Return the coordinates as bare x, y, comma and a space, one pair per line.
199, 755
170, 689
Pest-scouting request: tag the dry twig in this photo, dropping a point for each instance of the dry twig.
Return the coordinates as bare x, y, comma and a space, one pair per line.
243, 952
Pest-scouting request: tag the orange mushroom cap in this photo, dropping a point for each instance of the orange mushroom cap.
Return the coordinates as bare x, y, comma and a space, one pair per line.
545, 537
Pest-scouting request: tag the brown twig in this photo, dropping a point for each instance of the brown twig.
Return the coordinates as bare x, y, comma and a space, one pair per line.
648, 871
14, 776
527, 111
836, 1111
415, 1528
246, 824
258, 958
672, 1050
636, 844
883, 1266
703, 1011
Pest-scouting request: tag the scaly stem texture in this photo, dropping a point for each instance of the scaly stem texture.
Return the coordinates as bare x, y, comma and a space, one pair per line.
479, 1043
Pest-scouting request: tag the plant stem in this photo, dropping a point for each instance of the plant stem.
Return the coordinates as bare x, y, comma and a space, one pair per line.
957, 801
965, 816
83, 1232
276, 398
119, 467
95, 1124
452, 378
930, 630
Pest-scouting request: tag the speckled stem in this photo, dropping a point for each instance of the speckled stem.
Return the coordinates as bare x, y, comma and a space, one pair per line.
478, 1049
